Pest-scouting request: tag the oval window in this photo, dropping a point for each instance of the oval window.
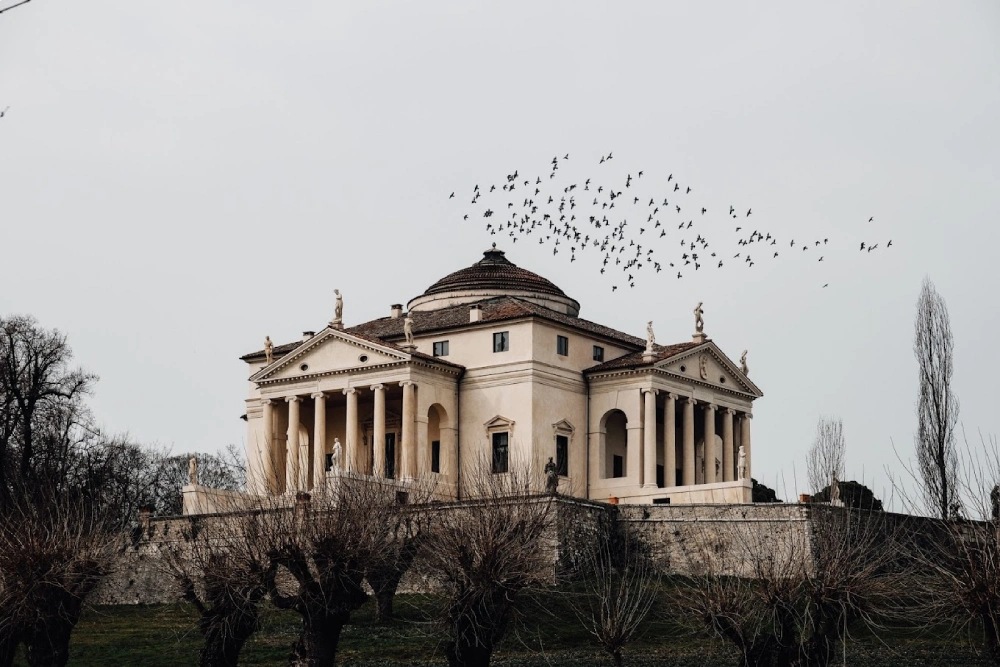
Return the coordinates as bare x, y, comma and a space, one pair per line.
363, 358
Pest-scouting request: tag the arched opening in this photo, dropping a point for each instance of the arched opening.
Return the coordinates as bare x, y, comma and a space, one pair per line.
441, 457
614, 433
434, 437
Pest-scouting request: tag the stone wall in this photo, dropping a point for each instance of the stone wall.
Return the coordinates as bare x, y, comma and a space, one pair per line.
686, 539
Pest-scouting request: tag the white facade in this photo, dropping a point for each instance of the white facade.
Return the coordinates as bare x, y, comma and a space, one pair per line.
499, 357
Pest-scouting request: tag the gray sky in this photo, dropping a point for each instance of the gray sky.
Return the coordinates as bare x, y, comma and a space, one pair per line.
181, 178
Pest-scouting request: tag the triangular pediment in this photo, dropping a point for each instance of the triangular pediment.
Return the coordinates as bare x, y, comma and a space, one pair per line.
329, 352
563, 425
499, 422
709, 365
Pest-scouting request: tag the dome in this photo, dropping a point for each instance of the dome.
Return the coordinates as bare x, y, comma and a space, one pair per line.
494, 275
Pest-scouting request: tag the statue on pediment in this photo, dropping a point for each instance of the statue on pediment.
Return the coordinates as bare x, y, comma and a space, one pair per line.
268, 350
699, 320
338, 309
743, 363
193, 471
650, 337
408, 329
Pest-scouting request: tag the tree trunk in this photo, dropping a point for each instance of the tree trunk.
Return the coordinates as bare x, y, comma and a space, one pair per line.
383, 605
317, 643
225, 637
48, 644
992, 637
462, 654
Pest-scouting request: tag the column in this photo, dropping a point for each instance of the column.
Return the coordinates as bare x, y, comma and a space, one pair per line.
408, 457
267, 454
727, 445
378, 427
351, 431
669, 441
687, 475
292, 446
745, 439
319, 441
709, 443
649, 439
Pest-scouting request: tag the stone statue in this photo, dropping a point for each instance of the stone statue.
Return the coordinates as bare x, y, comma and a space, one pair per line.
703, 366
338, 308
268, 350
408, 329
742, 463
650, 338
551, 477
336, 455
699, 321
193, 471
835, 492
743, 363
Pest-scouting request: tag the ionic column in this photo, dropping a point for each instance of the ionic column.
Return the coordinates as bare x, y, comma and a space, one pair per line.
649, 440
409, 442
378, 438
267, 454
292, 446
319, 441
669, 441
687, 474
727, 445
709, 443
745, 439
351, 431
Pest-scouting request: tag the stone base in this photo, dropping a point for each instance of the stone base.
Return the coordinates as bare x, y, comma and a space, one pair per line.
724, 493
199, 499
699, 337
337, 324
409, 348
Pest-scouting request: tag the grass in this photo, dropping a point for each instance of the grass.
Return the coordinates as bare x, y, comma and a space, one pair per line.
547, 634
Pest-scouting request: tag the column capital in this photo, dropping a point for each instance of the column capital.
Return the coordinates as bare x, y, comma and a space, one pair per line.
648, 390
690, 400
729, 411
670, 396
407, 383
292, 399
350, 390
747, 415
266, 401
377, 387
711, 406
317, 394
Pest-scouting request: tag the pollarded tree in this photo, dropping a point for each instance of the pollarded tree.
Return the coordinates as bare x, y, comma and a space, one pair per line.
937, 407
488, 550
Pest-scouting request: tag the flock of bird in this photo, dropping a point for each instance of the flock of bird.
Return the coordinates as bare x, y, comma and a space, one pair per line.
631, 224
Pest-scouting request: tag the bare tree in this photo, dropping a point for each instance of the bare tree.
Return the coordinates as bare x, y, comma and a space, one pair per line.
825, 461
937, 407
488, 551
386, 570
620, 586
792, 601
223, 569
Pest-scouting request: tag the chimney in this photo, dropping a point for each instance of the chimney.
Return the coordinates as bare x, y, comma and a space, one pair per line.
475, 313
306, 335
396, 311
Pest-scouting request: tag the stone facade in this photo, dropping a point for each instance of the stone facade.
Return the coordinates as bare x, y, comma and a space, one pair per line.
492, 364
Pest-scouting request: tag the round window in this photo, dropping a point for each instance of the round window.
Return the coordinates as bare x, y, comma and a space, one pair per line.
363, 358
722, 380
304, 367
683, 369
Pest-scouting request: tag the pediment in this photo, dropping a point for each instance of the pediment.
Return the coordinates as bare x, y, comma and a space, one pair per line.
563, 425
709, 365
499, 422
329, 352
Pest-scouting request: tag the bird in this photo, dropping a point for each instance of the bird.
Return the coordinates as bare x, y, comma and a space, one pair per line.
862, 245
889, 244
451, 196
871, 218
4, 113
749, 210
827, 285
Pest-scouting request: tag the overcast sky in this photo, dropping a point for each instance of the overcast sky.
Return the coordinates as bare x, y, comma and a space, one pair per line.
178, 179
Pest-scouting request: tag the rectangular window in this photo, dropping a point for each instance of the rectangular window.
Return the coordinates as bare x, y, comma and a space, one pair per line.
598, 353
501, 341
436, 456
500, 451
618, 466
659, 475
562, 346
562, 455
441, 348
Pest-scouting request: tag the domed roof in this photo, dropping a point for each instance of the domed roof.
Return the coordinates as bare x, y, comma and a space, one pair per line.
494, 272
493, 275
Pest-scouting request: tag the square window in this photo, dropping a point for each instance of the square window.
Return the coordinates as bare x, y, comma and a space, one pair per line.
500, 451
436, 456
562, 455
501, 341
562, 345
598, 353
441, 348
